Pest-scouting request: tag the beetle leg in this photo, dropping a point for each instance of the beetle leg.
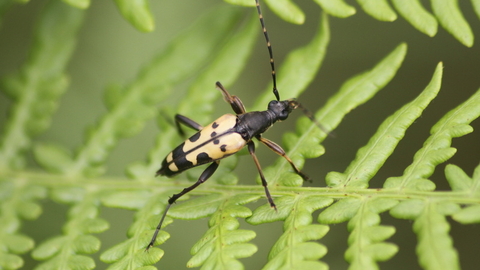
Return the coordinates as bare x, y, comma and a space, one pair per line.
204, 177
234, 101
279, 150
180, 119
251, 149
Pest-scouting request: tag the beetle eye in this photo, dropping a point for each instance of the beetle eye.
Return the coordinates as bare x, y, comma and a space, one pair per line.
283, 115
272, 104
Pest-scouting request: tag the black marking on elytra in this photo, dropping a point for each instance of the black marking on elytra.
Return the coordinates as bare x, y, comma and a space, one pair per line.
213, 134
194, 137
223, 147
216, 141
202, 157
180, 161
178, 152
214, 125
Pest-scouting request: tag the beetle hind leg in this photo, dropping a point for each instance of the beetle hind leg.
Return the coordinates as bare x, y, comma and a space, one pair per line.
209, 171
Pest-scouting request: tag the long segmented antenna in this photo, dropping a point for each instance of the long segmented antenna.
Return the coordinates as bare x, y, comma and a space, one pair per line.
269, 46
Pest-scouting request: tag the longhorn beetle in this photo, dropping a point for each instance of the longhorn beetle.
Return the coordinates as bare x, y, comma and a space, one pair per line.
227, 135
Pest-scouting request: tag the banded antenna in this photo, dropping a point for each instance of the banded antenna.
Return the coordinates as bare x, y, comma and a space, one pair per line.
269, 46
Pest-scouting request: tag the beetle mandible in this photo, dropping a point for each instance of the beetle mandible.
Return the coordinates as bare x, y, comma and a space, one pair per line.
227, 135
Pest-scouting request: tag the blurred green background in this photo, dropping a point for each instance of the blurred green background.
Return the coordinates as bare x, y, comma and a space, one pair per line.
110, 50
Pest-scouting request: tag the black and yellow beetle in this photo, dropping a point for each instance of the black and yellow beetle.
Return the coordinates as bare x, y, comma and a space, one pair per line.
226, 136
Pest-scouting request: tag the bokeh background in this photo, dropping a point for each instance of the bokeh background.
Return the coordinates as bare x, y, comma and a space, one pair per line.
110, 50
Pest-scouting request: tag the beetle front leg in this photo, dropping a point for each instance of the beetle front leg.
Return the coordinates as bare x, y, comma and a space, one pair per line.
180, 119
209, 171
234, 101
251, 149
279, 150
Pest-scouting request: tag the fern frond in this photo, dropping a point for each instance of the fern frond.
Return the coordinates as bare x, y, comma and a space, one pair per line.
366, 245
287, 10
371, 157
64, 252
450, 17
435, 248
417, 16
18, 201
130, 254
357, 90
81, 4
223, 243
447, 13
137, 13
36, 88
293, 250
337, 8
378, 9
436, 148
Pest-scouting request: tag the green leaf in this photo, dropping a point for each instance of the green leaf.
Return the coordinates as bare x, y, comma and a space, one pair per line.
83, 4
372, 156
436, 148
336, 8
476, 6
137, 13
223, 243
470, 187
52, 157
460, 181
468, 215
435, 247
245, 3
287, 10
61, 252
450, 17
128, 199
379, 9
417, 15
408, 209
354, 92
366, 245
292, 250
18, 200
8, 261
130, 253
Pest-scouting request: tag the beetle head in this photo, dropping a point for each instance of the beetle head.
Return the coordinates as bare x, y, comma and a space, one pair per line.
282, 109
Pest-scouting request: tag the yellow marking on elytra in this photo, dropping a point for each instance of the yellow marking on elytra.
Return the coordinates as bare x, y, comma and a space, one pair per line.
170, 157
172, 167
233, 141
